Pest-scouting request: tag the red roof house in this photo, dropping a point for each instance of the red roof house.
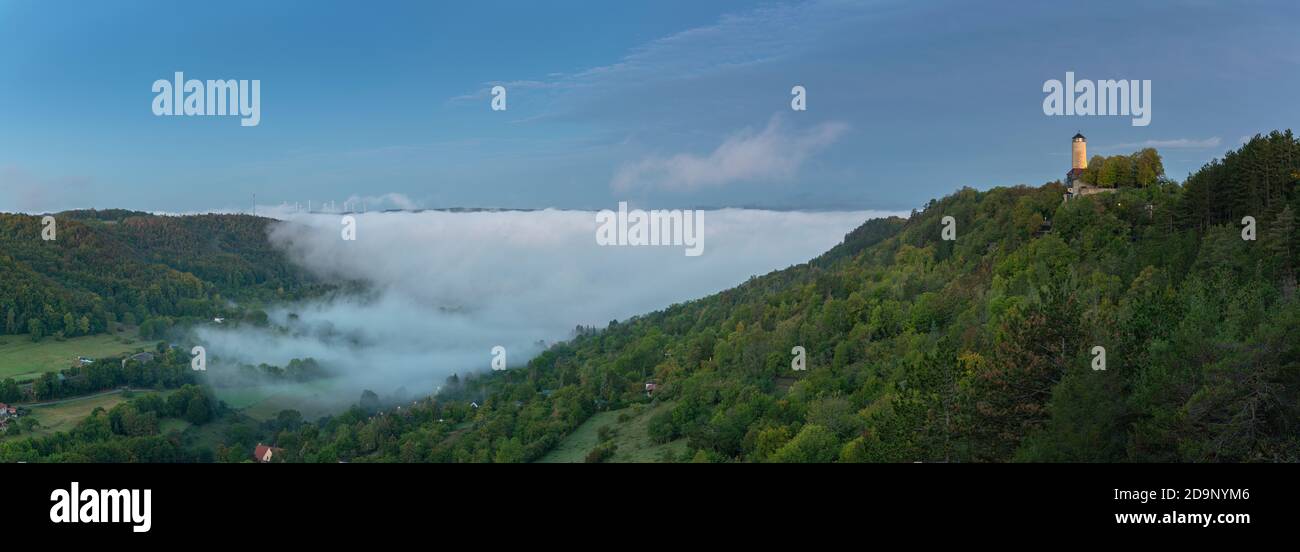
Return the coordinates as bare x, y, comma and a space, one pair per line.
264, 453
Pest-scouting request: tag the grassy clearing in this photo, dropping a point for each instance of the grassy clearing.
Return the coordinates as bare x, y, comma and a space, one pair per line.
630, 435
23, 360
65, 416
240, 398
312, 399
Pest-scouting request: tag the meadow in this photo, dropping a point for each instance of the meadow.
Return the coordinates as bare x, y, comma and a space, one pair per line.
627, 430
23, 360
263, 402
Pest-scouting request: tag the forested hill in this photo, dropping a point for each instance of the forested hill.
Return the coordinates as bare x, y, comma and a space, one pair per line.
116, 266
988, 347
921, 349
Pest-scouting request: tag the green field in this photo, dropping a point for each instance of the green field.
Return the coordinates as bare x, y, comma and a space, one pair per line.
65, 415
22, 359
313, 399
634, 444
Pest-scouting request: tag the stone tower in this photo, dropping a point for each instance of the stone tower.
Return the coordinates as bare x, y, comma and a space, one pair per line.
1078, 165
1079, 152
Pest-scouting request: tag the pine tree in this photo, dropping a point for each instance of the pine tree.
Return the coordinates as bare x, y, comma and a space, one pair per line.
1279, 242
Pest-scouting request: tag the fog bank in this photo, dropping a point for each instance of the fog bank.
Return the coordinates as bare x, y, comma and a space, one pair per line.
445, 288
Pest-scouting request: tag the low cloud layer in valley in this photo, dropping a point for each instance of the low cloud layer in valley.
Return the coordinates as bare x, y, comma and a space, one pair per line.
444, 288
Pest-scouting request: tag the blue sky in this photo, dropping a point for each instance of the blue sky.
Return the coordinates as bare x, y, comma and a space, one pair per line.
666, 103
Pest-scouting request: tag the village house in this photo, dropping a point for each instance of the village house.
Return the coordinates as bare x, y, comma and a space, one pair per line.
264, 453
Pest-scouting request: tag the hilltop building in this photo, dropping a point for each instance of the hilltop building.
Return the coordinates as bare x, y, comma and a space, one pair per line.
1078, 165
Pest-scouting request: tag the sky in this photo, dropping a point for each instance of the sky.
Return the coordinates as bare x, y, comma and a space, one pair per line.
667, 104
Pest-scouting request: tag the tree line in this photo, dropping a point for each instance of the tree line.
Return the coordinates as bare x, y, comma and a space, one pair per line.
107, 270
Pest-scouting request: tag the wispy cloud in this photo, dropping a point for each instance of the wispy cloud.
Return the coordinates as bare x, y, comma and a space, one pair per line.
485, 91
775, 153
1179, 143
762, 35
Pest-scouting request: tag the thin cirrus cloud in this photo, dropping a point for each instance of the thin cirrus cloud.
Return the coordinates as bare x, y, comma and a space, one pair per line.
1178, 143
773, 154
761, 35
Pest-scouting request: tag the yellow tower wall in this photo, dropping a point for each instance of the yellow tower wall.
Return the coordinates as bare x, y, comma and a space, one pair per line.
1080, 155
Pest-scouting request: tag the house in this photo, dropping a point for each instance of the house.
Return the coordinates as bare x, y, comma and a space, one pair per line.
85, 360
650, 387
219, 320
8, 411
264, 453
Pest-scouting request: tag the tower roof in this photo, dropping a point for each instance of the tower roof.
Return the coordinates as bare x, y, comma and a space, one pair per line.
1079, 136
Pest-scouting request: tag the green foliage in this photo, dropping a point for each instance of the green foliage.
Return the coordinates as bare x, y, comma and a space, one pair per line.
138, 268
813, 444
129, 432
1144, 168
918, 349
